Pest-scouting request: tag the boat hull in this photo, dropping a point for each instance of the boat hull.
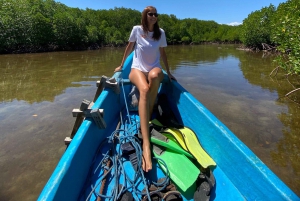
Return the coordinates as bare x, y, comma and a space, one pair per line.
239, 174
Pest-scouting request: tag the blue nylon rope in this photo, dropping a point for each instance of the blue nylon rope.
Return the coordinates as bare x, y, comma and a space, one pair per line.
118, 137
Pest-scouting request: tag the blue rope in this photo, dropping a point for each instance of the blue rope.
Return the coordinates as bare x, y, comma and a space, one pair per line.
121, 80
118, 137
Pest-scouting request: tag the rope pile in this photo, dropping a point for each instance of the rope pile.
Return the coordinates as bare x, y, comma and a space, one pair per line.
111, 166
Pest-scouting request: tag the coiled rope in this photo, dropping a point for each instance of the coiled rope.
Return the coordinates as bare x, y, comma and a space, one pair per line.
112, 162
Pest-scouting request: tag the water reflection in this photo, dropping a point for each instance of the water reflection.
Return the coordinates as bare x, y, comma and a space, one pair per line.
41, 77
286, 152
237, 88
39, 91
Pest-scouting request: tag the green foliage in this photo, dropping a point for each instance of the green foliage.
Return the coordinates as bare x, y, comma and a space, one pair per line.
42, 31
46, 24
16, 24
257, 26
185, 39
92, 34
280, 27
286, 34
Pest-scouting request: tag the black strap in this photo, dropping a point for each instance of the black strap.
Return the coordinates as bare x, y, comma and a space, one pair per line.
165, 114
154, 133
158, 149
129, 152
205, 184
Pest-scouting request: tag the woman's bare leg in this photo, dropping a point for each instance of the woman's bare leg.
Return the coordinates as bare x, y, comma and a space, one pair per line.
140, 81
155, 77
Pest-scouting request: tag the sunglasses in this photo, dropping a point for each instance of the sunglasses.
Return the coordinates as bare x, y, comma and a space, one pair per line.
151, 14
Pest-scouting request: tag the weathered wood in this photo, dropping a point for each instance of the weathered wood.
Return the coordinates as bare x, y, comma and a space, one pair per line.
67, 140
100, 86
98, 118
80, 116
79, 119
75, 112
85, 104
113, 84
108, 163
86, 113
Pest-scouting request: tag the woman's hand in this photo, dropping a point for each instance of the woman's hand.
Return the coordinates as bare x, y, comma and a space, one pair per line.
118, 69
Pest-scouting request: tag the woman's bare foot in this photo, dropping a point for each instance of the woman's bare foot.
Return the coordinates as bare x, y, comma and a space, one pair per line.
147, 162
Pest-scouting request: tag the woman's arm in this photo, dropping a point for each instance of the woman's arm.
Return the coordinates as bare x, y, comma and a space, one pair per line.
128, 50
165, 60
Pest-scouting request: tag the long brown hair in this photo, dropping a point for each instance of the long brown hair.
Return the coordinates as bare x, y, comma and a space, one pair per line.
157, 33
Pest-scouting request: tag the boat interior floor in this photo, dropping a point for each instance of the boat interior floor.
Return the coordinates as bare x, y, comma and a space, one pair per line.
122, 175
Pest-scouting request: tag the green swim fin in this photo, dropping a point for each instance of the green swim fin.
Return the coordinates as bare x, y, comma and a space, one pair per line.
189, 142
183, 174
168, 142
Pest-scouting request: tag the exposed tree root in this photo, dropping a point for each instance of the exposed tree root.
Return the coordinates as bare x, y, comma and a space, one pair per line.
287, 77
267, 47
274, 70
293, 91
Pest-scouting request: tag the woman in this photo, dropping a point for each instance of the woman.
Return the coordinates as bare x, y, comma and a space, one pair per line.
146, 73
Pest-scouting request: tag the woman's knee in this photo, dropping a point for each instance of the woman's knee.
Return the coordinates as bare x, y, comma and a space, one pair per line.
155, 75
144, 90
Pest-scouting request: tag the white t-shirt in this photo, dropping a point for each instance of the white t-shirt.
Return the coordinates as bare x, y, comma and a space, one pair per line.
146, 51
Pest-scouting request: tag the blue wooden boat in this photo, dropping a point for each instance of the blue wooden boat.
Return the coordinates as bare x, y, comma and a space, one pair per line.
239, 173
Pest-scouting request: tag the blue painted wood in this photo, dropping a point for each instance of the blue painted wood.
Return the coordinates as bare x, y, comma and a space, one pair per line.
240, 174
247, 172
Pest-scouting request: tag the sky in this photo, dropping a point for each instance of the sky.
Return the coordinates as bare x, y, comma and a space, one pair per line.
231, 12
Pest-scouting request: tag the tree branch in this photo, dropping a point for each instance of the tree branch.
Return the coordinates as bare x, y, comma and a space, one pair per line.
274, 70
292, 92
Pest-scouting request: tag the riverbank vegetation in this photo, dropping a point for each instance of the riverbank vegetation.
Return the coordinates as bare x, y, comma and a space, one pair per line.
277, 30
45, 25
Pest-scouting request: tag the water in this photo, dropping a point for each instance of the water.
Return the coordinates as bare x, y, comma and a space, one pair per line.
39, 91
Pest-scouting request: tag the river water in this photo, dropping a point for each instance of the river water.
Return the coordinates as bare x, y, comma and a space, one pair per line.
39, 92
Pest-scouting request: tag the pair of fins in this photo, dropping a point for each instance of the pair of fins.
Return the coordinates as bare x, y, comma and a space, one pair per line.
177, 147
